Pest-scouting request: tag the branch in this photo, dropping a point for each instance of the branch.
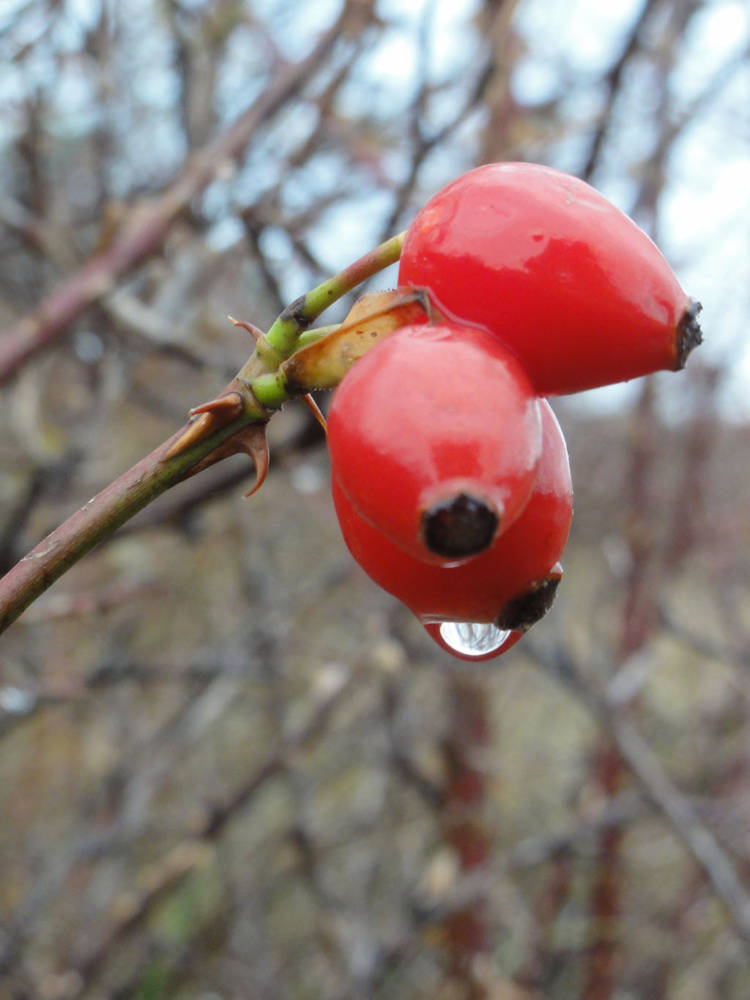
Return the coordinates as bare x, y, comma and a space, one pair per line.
193, 851
96, 520
612, 83
223, 427
656, 785
146, 230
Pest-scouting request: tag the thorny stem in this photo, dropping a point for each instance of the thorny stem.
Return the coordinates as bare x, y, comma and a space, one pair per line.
154, 474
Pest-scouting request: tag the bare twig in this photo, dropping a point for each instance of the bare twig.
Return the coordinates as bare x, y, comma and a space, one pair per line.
612, 84
183, 859
672, 805
144, 232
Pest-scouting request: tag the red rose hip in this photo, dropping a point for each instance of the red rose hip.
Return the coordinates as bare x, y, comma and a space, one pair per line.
510, 585
578, 292
435, 438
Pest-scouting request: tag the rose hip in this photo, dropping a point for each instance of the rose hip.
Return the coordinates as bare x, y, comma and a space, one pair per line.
574, 288
435, 438
510, 585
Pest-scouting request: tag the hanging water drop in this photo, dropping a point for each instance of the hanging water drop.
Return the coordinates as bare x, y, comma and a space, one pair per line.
472, 639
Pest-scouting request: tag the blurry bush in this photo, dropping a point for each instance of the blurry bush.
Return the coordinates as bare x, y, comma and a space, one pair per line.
229, 765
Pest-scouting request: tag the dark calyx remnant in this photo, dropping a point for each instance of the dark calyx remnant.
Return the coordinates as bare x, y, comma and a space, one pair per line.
460, 526
523, 611
689, 333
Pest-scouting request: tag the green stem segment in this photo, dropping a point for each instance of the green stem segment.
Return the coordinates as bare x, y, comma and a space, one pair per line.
271, 390
283, 337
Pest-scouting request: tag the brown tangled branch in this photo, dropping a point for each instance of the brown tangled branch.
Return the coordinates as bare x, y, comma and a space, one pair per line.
658, 789
145, 231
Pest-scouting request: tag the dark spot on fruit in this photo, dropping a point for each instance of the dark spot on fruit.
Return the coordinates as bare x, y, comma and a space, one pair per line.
520, 613
689, 333
459, 526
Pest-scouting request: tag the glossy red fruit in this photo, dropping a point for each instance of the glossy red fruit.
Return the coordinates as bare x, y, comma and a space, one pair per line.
511, 585
435, 438
565, 279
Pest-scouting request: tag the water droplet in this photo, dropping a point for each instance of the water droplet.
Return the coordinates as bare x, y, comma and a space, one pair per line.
472, 639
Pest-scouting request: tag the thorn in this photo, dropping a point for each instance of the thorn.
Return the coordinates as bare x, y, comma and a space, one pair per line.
254, 331
316, 411
195, 431
253, 442
250, 440
205, 419
226, 406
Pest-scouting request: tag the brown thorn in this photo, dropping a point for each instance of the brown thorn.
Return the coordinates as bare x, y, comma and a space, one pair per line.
226, 406
316, 411
254, 443
207, 418
195, 431
250, 441
254, 331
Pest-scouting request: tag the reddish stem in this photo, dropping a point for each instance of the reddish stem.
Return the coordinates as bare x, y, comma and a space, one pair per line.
466, 932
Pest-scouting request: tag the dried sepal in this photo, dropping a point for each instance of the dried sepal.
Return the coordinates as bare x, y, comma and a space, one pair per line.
322, 365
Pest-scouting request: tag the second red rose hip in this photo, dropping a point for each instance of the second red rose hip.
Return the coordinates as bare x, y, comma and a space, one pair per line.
435, 438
